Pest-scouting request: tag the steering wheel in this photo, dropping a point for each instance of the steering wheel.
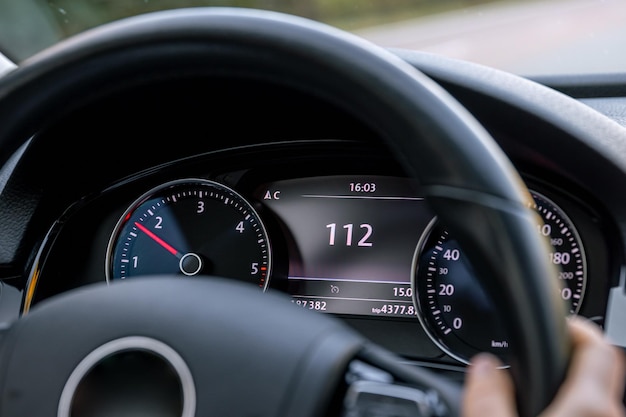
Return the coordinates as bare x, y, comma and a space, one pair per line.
226, 349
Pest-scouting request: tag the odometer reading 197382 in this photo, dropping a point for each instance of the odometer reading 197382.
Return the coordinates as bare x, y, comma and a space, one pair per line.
453, 308
190, 227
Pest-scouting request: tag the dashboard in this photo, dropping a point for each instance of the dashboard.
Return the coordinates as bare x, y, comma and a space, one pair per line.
171, 165
335, 224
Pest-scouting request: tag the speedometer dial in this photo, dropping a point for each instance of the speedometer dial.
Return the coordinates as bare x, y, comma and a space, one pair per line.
453, 308
190, 227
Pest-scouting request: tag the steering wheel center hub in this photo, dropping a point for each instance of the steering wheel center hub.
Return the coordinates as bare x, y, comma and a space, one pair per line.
130, 376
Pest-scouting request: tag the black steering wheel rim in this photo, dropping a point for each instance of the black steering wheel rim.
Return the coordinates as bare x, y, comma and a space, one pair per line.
456, 161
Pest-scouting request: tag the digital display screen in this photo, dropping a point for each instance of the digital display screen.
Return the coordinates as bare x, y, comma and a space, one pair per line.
351, 241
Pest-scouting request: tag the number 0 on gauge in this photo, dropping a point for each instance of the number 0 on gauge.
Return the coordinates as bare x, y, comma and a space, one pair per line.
190, 227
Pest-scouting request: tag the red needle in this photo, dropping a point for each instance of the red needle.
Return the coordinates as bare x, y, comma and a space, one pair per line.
158, 240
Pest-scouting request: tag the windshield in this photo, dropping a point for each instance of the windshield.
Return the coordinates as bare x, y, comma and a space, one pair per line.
524, 37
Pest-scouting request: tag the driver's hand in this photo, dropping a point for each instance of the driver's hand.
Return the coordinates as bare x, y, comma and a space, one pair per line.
594, 385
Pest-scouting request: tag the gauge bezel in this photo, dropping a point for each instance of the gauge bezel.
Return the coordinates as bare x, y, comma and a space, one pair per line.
577, 238
432, 333
191, 181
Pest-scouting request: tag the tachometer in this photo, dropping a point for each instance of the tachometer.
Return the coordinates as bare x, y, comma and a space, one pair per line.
453, 308
190, 227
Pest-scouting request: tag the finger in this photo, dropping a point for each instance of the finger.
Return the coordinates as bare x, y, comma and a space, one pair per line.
488, 390
598, 356
595, 381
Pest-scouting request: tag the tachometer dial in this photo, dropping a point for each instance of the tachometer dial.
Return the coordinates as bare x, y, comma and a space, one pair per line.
452, 306
190, 227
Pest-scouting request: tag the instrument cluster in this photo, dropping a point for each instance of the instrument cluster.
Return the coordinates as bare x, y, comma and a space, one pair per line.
356, 246
363, 247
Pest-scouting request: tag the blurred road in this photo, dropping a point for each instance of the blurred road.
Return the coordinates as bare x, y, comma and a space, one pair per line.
525, 37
